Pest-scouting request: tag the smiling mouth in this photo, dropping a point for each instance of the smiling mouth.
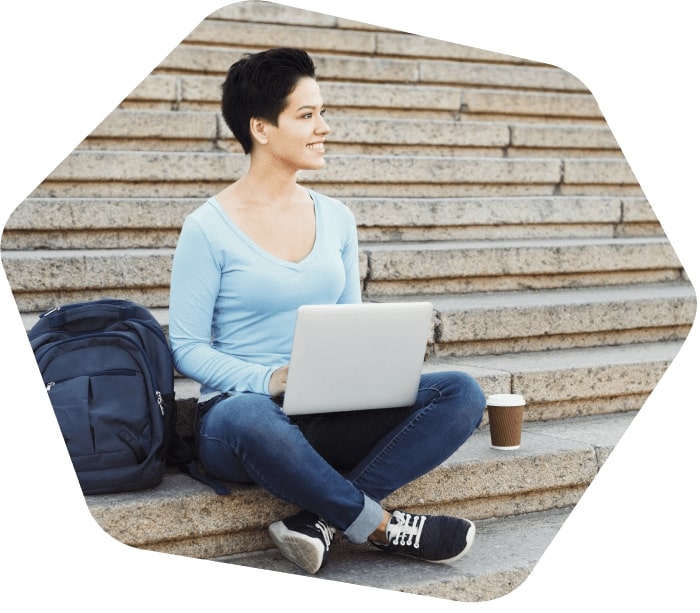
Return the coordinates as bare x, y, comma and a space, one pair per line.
316, 146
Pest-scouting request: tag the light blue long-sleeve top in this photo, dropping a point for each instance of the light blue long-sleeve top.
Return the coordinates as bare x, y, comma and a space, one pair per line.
233, 305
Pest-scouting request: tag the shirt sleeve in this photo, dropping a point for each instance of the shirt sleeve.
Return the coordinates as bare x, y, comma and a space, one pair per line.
194, 287
352, 292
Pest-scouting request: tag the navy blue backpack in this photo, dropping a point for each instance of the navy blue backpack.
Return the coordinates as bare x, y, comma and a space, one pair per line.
109, 375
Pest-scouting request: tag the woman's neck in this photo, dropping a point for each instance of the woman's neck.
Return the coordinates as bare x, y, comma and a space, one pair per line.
252, 190
268, 184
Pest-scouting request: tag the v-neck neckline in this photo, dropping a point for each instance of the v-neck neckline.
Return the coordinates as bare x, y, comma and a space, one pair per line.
264, 252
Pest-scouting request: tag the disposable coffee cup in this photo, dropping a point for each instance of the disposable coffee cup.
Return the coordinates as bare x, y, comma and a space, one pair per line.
505, 420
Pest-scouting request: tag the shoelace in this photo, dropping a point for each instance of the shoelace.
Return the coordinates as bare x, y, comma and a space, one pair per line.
326, 531
406, 530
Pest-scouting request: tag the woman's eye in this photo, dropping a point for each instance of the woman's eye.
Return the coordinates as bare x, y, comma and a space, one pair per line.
322, 113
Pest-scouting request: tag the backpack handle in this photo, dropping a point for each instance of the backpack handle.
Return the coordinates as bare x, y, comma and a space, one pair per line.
92, 316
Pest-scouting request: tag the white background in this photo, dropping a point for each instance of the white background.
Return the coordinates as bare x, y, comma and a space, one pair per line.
632, 540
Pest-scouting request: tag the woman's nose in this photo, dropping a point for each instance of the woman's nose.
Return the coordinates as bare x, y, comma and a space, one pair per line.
323, 127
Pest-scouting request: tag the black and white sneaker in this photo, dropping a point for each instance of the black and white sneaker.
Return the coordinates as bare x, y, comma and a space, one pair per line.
433, 538
304, 539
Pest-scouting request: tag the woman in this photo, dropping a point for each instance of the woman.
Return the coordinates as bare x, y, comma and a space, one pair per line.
245, 261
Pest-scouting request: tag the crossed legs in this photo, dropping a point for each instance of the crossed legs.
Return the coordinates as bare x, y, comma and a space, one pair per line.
340, 466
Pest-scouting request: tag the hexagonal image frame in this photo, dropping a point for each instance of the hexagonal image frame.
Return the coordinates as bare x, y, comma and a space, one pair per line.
488, 182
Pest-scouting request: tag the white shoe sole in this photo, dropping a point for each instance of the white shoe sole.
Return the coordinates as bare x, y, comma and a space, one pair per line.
304, 551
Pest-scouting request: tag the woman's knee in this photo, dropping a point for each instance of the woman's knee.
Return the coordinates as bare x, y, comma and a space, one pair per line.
235, 430
242, 415
470, 400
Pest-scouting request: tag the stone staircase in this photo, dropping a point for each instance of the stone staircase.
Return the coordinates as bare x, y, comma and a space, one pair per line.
487, 184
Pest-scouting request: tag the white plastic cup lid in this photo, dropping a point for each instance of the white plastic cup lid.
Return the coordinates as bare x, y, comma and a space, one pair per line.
505, 400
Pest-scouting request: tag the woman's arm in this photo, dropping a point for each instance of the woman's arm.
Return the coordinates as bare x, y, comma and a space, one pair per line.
194, 288
350, 255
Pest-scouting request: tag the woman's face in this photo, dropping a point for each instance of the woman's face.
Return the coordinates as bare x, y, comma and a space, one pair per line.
298, 139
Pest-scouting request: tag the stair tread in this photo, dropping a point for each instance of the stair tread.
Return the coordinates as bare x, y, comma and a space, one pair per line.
397, 97
504, 552
202, 125
383, 246
149, 166
568, 454
559, 296
539, 439
565, 359
537, 361
465, 303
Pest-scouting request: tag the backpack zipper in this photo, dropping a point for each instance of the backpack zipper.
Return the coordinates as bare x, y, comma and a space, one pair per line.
161, 403
158, 394
47, 313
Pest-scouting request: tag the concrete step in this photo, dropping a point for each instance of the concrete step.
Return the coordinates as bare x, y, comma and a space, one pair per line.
203, 58
365, 67
111, 174
557, 384
133, 223
166, 91
556, 462
398, 54
503, 554
545, 320
135, 129
359, 66
41, 277
566, 383
255, 25
467, 266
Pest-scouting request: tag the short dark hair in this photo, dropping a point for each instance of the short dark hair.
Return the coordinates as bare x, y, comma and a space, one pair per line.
258, 84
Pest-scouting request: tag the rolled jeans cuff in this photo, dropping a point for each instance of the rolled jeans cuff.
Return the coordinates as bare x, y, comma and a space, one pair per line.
366, 522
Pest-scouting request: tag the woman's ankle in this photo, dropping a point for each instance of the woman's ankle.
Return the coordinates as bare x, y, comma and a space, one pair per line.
379, 535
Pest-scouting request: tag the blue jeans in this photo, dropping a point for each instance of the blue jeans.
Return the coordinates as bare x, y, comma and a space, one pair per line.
339, 465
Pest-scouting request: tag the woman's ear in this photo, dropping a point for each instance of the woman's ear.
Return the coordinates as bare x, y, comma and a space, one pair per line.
258, 130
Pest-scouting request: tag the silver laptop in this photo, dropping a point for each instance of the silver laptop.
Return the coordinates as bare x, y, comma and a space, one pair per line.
349, 357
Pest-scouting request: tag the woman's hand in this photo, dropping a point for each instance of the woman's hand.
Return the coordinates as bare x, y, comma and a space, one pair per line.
278, 381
